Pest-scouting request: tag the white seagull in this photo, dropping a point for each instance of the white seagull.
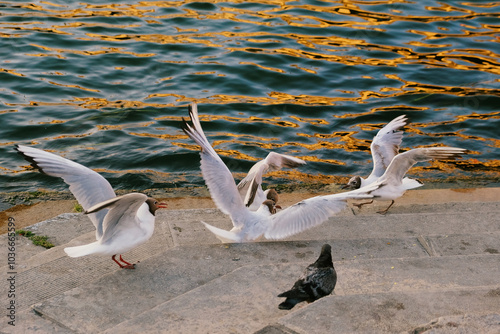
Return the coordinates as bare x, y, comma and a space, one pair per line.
392, 184
384, 147
250, 188
250, 225
122, 223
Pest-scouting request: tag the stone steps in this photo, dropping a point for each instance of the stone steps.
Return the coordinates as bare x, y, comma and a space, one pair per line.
244, 300
186, 278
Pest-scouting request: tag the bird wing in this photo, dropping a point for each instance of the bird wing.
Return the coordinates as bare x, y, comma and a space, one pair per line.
122, 213
385, 145
402, 162
88, 187
311, 212
218, 178
252, 183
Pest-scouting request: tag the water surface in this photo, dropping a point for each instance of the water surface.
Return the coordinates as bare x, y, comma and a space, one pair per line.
107, 84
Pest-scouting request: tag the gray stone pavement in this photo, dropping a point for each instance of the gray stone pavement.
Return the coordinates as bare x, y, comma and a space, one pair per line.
431, 267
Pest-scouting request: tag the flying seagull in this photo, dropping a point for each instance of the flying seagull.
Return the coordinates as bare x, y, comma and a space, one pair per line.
122, 223
249, 225
318, 281
392, 184
384, 147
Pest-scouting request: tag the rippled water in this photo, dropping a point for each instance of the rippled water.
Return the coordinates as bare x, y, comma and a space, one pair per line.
107, 84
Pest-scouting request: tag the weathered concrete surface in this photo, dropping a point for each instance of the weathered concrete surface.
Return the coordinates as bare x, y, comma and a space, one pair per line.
391, 312
29, 322
415, 252
245, 300
469, 323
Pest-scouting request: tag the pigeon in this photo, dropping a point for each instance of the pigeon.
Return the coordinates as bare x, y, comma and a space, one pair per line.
318, 281
391, 185
249, 225
122, 223
250, 188
384, 147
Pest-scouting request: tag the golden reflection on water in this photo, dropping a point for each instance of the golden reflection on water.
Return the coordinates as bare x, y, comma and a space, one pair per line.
430, 48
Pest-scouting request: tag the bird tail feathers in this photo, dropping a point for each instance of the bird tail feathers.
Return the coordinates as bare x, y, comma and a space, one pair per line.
294, 293
81, 250
288, 304
223, 235
411, 183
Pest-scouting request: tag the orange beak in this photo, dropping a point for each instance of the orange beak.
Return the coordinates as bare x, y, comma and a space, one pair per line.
162, 205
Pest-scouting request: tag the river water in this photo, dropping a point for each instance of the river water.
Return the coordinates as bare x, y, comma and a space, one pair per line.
107, 84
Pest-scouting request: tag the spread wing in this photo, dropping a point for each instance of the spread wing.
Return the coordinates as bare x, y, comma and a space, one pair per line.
88, 187
385, 145
218, 178
252, 183
404, 161
311, 212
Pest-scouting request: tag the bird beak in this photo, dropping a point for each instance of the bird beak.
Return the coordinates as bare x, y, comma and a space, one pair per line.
162, 205
278, 207
346, 186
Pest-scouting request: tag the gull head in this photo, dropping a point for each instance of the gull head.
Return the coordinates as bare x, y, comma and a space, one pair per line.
354, 183
154, 205
273, 196
268, 206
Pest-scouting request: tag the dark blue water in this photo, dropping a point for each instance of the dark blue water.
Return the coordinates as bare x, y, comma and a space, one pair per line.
107, 84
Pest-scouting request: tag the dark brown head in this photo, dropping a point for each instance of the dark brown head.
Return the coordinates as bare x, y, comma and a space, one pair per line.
271, 206
154, 205
272, 195
354, 183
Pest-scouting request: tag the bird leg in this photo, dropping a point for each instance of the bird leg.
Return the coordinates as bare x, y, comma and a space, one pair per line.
359, 205
127, 266
383, 212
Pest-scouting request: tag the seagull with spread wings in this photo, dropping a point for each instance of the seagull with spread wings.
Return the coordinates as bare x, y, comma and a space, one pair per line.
384, 147
122, 223
249, 225
390, 166
392, 184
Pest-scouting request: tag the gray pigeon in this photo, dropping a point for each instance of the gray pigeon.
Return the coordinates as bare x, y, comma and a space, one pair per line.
318, 281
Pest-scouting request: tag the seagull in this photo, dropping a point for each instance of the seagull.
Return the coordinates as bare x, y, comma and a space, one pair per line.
392, 184
122, 223
249, 225
384, 147
318, 281
250, 188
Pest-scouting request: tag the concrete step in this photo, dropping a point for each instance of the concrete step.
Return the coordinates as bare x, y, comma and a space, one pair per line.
245, 301
426, 220
182, 227
182, 257
52, 272
28, 321
182, 269
397, 312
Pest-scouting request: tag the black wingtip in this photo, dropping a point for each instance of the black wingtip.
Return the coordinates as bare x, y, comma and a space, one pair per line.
18, 150
28, 158
185, 126
190, 110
